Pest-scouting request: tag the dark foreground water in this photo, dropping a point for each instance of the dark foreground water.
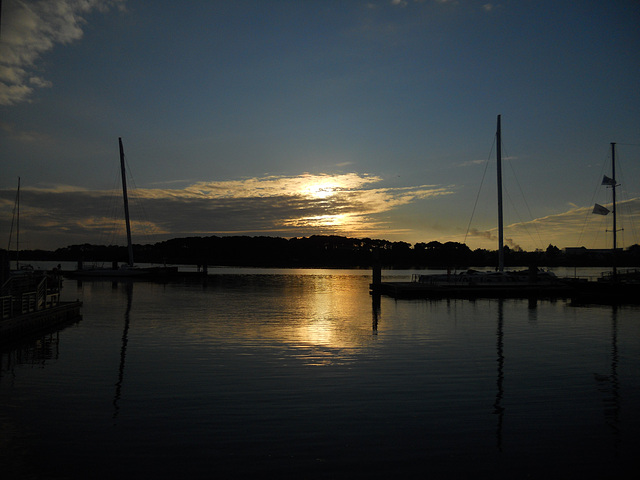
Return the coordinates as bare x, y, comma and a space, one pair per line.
305, 375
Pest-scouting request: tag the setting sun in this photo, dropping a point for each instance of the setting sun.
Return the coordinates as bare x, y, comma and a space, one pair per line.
320, 188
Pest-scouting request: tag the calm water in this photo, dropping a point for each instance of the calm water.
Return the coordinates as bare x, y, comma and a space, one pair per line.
301, 374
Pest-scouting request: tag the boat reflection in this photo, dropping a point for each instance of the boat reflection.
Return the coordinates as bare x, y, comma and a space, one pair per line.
34, 353
33, 350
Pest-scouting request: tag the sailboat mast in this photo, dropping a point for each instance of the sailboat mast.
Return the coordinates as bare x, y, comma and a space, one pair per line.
613, 188
500, 219
18, 227
16, 219
126, 202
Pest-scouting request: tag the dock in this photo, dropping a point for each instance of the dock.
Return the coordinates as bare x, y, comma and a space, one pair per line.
30, 303
530, 283
39, 321
420, 290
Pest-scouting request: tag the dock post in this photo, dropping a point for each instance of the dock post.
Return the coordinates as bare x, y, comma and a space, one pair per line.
377, 275
533, 274
377, 269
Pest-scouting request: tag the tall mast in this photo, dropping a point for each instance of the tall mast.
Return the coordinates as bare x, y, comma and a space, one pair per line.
16, 219
126, 202
613, 188
500, 221
18, 226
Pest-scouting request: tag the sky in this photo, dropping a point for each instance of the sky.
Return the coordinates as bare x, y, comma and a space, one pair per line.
291, 118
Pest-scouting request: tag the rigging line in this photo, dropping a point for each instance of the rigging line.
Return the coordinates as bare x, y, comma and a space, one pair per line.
602, 227
484, 174
593, 198
625, 202
13, 218
135, 200
535, 226
110, 223
513, 205
144, 221
114, 212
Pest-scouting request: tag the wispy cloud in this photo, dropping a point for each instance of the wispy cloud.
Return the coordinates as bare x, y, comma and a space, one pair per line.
347, 204
472, 163
32, 28
25, 136
577, 226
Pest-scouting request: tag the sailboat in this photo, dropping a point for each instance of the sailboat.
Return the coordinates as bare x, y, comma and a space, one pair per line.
613, 286
128, 269
479, 283
29, 298
21, 268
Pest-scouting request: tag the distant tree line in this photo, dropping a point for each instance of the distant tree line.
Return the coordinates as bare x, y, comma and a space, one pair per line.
327, 251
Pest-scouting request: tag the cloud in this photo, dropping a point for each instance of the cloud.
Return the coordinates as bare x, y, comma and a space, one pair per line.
472, 163
287, 206
32, 28
575, 227
352, 204
25, 136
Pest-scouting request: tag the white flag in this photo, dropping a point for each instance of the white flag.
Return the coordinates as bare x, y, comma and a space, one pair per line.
600, 210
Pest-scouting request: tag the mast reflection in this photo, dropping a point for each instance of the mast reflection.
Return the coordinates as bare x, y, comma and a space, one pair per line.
123, 350
498, 409
609, 385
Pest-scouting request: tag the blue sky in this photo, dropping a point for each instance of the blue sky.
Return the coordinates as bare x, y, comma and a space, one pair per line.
372, 118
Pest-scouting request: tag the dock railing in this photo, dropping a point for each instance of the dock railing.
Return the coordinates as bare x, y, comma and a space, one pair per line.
20, 295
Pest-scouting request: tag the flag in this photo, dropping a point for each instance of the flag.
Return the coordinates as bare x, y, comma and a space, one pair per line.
608, 181
599, 209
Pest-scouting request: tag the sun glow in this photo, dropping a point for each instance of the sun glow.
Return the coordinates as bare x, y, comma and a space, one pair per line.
322, 221
320, 188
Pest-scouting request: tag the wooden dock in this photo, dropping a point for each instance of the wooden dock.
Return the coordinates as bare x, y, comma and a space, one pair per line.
39, 321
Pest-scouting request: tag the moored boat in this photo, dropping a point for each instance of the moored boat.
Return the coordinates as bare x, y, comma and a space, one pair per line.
128, 270
532, 281
614, 286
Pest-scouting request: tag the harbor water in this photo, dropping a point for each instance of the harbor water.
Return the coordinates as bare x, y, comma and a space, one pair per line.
303, 374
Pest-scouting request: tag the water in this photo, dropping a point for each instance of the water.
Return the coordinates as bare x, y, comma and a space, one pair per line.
302, 374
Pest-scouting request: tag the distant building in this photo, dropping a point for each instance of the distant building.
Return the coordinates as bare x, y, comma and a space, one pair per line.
585, 251
575, 250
